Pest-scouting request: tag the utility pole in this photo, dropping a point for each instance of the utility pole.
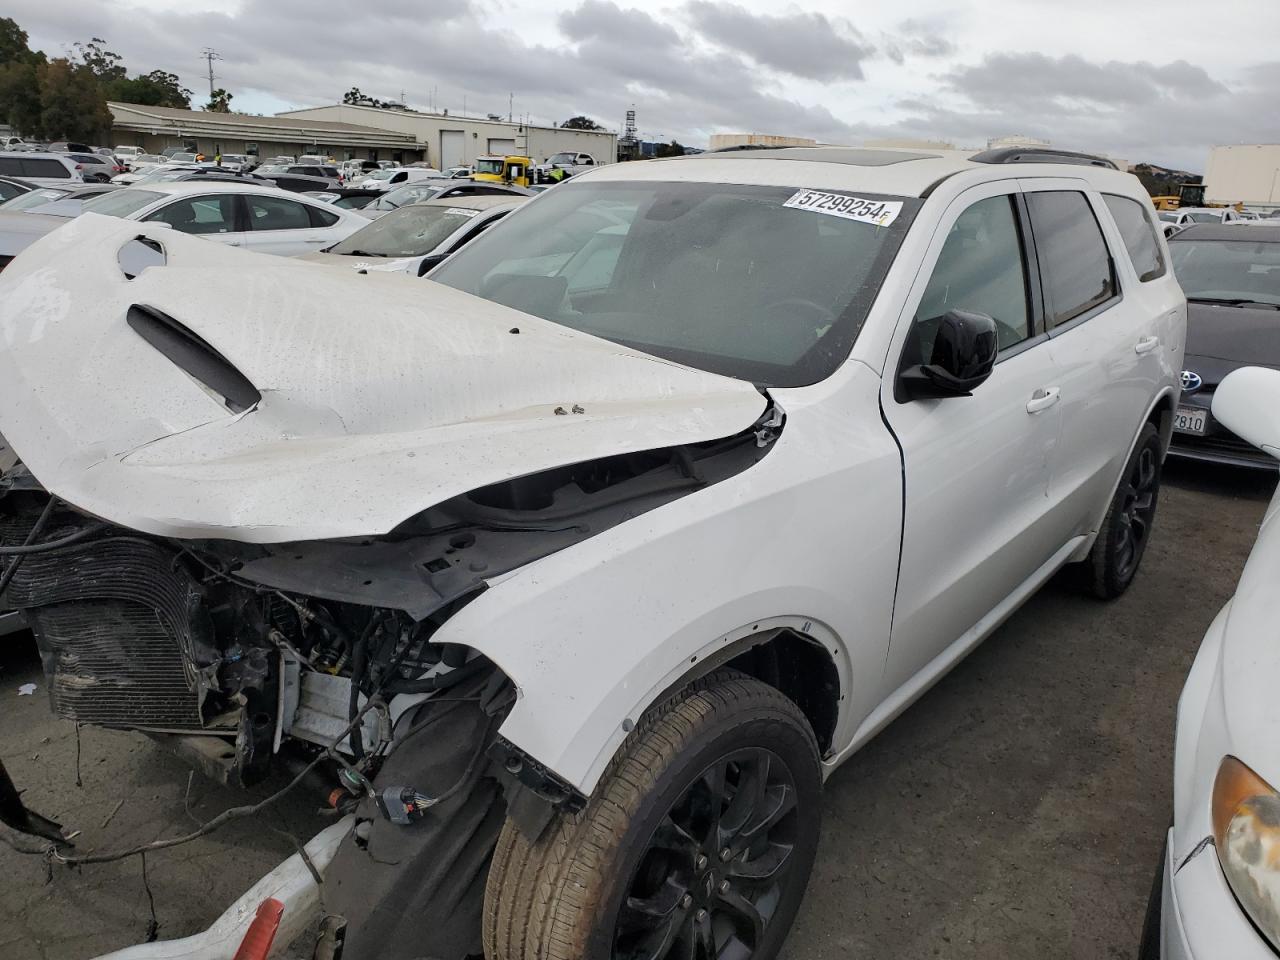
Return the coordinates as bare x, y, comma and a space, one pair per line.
511, 100
210, 55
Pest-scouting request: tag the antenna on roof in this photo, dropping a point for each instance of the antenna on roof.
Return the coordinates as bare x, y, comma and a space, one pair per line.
210, 55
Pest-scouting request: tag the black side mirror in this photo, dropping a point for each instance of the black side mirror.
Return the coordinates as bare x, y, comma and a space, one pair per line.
430, 262
964, 354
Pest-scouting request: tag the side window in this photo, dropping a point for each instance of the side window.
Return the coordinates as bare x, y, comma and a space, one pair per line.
11, 166
1074, 261
322, 218
276, 213
1139, 235
46, 169
981, 269
200, 215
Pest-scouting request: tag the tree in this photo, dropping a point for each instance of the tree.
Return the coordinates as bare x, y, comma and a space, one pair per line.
155, 89
19, 93
672, 149
581, 123
72, 106
356, 98
219, 102
105, 65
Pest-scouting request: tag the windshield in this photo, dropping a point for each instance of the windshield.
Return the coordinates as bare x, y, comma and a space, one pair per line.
1205, 216
184, 157
33, 199
409, 232
1231, 270
120, 203
381, 174
487, 165
409, 193
717, 276
562, 158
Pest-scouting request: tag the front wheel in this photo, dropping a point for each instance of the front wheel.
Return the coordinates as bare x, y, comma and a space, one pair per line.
1126, 529
696, 845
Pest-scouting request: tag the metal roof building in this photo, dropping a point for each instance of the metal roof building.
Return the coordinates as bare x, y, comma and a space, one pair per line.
157, 128
450, 140
1244, 173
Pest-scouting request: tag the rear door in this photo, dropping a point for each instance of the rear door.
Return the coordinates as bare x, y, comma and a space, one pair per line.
976, 469
285, 227
1105, 339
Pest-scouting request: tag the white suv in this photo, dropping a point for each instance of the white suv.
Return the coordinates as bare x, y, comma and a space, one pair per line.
593, 554
43, 169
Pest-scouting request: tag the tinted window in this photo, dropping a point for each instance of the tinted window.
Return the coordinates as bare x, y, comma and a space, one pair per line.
9, 190
1073, 255
724, 277
322, 218
199, 215
275, 213
11, 166
980, 270
49, 169
1139, 236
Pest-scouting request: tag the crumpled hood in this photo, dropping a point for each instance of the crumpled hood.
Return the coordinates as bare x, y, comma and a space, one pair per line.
382, 395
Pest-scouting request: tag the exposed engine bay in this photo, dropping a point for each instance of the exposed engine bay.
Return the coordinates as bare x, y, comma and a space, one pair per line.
323, 653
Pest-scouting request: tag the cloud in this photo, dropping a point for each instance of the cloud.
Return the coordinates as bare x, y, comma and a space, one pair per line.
915, 38
807, 45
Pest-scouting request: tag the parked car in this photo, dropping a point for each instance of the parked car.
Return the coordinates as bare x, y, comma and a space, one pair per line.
571, 162
260, 218
417, 237
177, 155
391, 177
11, 187
64, 146
1232, 280
678, 485
96, 168
458, 173
436, 189
129, 152
1217, 892
43, 169
46, 199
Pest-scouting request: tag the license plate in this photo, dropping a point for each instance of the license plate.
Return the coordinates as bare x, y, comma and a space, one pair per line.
1191, 420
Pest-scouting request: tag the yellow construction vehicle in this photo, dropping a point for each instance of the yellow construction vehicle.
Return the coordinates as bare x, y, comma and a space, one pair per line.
1166, 202
513, 171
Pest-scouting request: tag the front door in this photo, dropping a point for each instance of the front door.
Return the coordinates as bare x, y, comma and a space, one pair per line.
977, 468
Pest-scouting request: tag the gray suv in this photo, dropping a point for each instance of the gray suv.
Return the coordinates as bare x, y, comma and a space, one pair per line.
45, 169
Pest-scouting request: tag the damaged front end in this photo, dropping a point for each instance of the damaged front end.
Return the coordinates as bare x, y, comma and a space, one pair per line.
323, 653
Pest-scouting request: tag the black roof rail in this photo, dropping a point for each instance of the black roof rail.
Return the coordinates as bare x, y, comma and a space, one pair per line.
1041, 155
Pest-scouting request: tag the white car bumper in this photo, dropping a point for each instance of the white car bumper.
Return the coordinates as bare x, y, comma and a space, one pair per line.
291, 883
1200, 919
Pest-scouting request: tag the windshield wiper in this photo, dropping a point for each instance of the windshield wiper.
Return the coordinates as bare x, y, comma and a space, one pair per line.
366, 253
1234, 302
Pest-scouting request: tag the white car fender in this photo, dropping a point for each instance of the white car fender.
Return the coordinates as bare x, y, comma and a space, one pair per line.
592, 635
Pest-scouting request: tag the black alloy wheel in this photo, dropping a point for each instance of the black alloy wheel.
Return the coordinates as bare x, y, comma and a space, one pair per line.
1126, 529
714, 871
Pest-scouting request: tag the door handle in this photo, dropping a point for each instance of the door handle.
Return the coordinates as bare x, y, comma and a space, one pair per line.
1043, 399
1146, 345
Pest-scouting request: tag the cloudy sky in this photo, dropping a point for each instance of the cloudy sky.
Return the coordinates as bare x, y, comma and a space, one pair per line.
1159, 82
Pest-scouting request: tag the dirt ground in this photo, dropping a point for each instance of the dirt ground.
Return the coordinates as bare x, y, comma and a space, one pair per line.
1016, 811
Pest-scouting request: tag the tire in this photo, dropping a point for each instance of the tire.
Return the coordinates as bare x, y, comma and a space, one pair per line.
625, 877
1126, 529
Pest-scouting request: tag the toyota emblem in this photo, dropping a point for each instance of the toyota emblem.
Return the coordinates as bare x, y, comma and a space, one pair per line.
1191, 381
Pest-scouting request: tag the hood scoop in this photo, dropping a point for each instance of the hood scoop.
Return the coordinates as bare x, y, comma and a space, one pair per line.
195, 357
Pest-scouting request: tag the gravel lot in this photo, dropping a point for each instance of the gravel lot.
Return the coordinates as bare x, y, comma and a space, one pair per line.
1016, 811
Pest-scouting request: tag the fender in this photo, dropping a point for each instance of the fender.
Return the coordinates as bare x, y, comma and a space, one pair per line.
592, 635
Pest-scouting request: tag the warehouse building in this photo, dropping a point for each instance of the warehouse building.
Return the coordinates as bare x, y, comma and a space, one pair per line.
723, 141
1244, 173
449, 140
155, 129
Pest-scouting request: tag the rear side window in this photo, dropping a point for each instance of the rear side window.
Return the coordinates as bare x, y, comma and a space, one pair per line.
1074, 261
1139, 235
199, 215
275, 213
11, 166
47, 169
322, 218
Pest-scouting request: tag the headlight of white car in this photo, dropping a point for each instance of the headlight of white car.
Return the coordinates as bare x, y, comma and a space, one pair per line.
1246, 831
